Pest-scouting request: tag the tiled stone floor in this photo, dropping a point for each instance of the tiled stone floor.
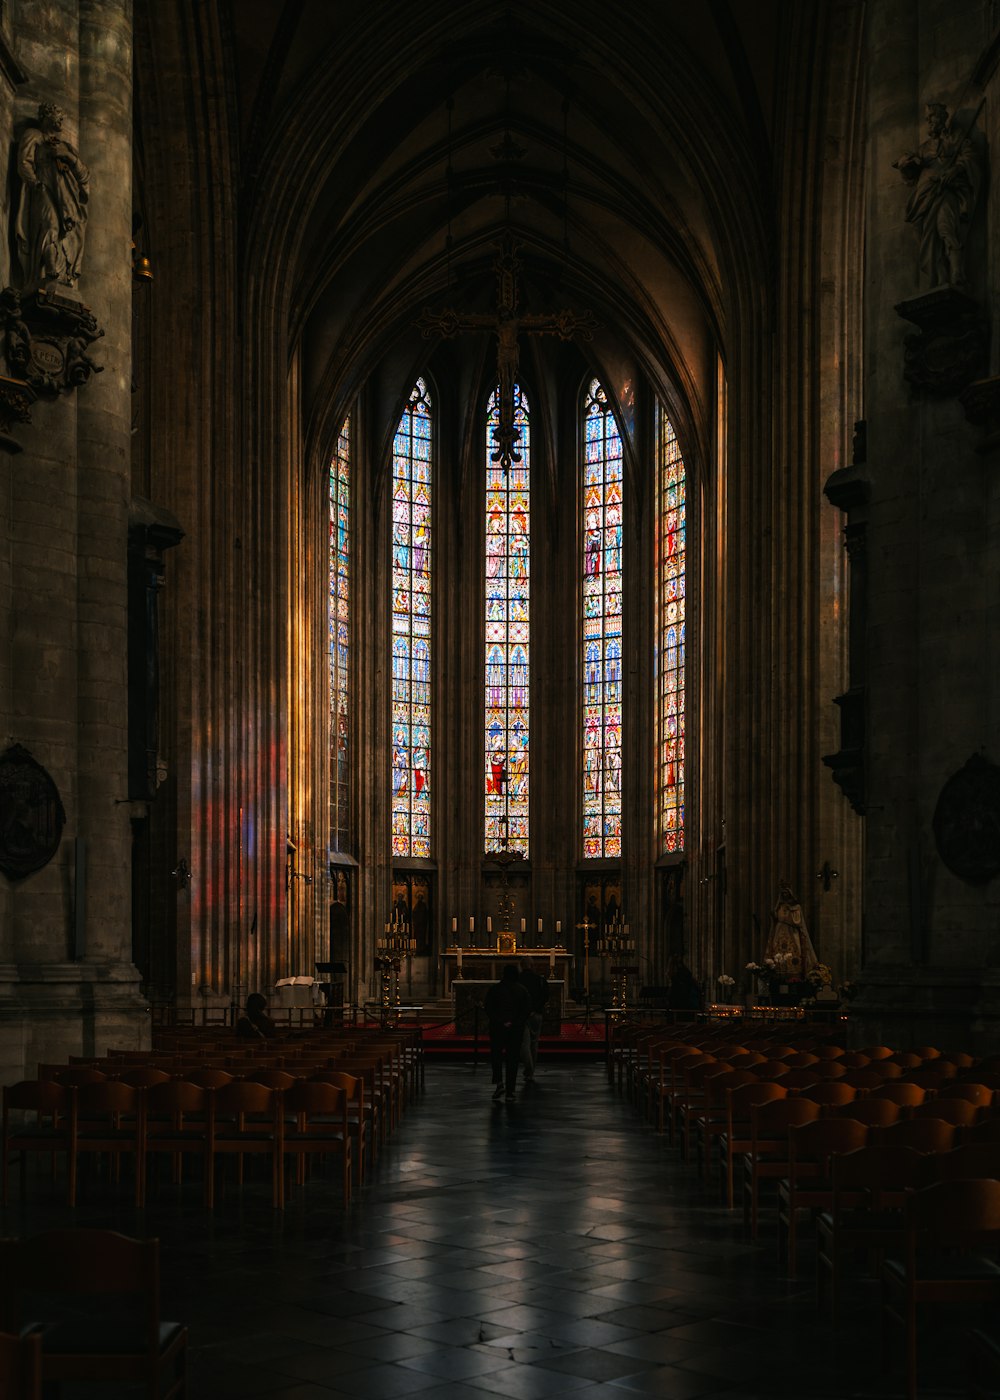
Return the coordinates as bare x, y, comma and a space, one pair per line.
549, 1247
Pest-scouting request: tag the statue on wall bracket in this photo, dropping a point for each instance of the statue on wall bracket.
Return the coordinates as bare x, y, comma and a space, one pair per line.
947, 173
31, 814
966, 821
47, 329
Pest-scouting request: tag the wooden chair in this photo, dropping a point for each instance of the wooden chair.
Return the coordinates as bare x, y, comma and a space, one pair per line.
735, 1139
177, 1117
35, 1119
802, 1059
951, 1235
711, 1121
142, 1076
906, 1059
93, 1266
855, 1059
868, 1189
21, 1366
208, 1077
809, 1185
874, 1113
877, 1052
359, 1119
970, 1159
864, 1080
766, 1159
690, 1102
106, 1120
829, 1069
961, 1059
246, 1120
795, 1080
321, 1128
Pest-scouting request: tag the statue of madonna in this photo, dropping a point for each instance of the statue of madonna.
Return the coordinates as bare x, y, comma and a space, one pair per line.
789, 945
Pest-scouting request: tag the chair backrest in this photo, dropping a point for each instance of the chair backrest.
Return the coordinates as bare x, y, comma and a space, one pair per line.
177, 1096
74, 1076
868, 1078
906, 1059
243, 1096
878, 1168
802, 1059
818, 1140
900, 1092
740, 1101
925, 1134
855, 1059
959, 1112
927, 1052
979, 1094
209, 1078
961, 1059
80, 1262
35, 1095
316, 1098
971, 1159
986, 1130
829, 1069
143, 1076
773, 1121
273, 1078
798, 1079
957, 1214
109, 1097
830, 1093
877, 1052
830, 1052
874, 1113
772, 1069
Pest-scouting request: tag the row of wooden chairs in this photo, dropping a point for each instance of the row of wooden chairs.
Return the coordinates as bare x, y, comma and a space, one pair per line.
302, 1119
901, 1164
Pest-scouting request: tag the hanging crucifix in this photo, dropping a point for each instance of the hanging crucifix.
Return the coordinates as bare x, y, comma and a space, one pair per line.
507, 324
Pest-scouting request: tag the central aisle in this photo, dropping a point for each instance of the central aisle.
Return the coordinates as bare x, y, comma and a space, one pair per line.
546, 1247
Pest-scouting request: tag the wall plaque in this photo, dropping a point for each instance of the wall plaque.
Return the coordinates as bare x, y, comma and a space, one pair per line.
966, 821
31, 814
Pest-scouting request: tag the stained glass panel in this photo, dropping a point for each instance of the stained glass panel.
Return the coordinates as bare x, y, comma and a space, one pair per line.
339, 641
411, 627
508, 547
670, 569
602, 628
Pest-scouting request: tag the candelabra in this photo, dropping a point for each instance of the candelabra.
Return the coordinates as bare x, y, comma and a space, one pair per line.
394, 944
613, 944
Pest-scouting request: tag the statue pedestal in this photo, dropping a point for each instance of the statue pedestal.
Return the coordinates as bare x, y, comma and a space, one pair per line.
953, 341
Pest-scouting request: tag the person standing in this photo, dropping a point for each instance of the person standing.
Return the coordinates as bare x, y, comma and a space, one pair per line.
537, 988
507, 1007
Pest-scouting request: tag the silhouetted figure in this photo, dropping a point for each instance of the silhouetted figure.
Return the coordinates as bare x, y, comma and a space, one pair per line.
537, 988
255, 1023
508, 1007
685, 994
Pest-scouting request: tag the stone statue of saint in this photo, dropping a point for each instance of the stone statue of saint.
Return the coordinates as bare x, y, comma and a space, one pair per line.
948, 174
789, 946
52, 213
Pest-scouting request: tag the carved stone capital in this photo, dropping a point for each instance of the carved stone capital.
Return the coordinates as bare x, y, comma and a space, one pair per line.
848, 763
952, 344
848, 487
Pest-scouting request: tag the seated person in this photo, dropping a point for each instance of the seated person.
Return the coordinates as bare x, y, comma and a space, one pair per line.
255, 1023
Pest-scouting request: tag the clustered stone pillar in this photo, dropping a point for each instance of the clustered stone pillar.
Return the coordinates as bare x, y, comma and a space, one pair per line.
66, 979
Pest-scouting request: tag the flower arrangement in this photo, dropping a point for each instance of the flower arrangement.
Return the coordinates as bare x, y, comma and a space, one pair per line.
820, 976
725, 980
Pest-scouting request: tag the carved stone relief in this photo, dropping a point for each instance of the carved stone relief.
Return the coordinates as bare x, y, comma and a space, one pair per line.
31, 814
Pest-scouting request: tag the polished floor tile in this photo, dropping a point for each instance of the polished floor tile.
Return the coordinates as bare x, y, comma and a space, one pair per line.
554, 1246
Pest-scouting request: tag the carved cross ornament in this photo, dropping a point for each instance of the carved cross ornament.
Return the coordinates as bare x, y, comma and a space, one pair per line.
507, 324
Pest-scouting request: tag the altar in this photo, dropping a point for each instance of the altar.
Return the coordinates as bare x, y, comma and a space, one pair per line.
486, 964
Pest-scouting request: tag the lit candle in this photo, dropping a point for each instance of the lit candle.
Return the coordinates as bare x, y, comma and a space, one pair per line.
489, 923
558, 926
454, 925
522, 925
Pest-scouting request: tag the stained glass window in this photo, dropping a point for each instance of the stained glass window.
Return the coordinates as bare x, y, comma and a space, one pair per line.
508, 547
670, 570
602, 628
340, 624
411, 627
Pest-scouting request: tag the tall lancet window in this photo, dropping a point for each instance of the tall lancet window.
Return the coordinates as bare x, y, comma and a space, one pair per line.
508, 550
602, 627
670, 571
411, 627
340, 634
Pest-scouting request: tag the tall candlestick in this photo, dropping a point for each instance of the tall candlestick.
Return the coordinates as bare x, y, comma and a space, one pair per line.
454, 925
539, 925
558, 926
489, 923
522, 925
472, 923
